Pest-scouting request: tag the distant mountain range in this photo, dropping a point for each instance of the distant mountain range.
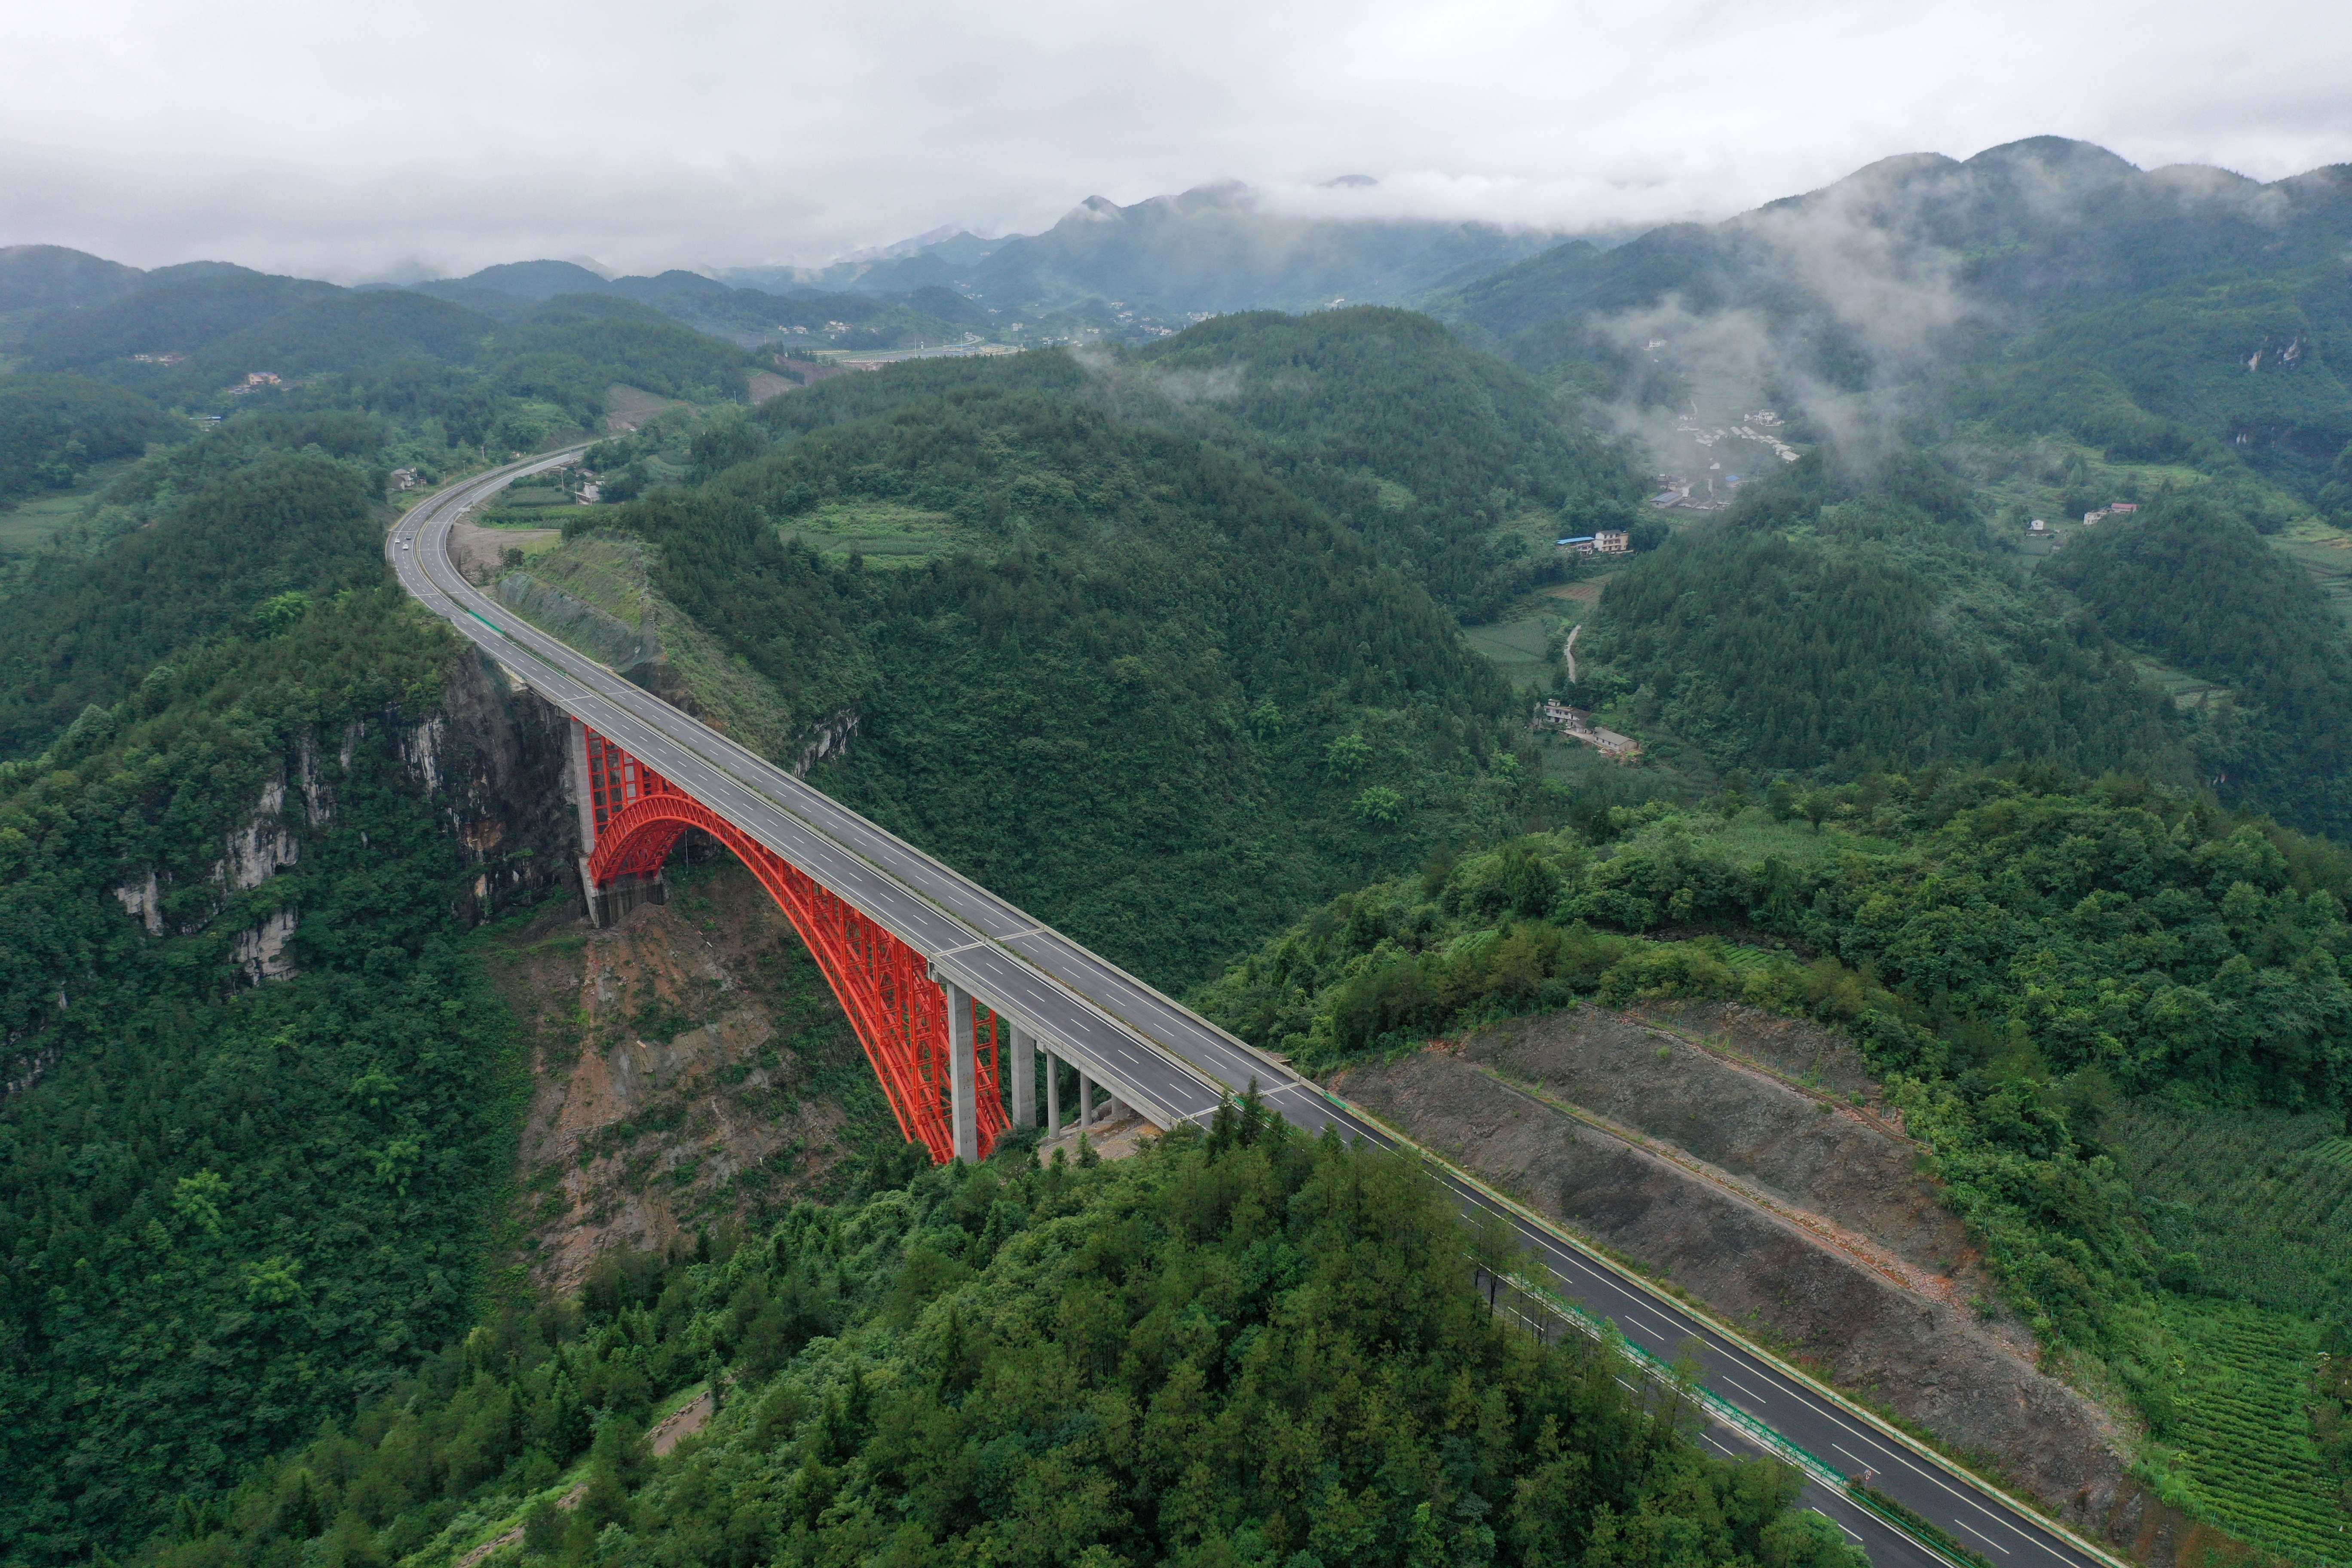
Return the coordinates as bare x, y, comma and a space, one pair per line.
1212, 249
1917, 267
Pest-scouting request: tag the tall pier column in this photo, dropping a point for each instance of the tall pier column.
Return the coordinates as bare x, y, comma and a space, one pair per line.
963, 1096
1086, 1099
1024, 1078
584, 796
1053, 1096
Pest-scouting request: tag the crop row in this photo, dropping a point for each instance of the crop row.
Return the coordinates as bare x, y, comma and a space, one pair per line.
2242, 1434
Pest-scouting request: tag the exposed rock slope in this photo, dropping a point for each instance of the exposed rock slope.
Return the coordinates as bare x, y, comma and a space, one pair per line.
689, 1068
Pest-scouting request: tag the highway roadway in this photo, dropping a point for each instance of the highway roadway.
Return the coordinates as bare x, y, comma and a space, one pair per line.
1166, 1062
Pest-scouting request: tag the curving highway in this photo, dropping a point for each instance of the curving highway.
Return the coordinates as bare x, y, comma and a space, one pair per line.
1174, 1066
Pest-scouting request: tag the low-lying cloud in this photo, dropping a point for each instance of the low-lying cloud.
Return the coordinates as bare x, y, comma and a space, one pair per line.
361, 141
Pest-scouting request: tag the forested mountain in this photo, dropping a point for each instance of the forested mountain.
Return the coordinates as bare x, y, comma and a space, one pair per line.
83, 632
791, 317
2046, 284
1177, 1358
1432, 452
1845, 622
230, 1209
1287, 707
185, 342
2057, 985
2195, 584
53, 427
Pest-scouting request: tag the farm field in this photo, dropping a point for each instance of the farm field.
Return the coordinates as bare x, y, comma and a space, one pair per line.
2186, 691
2327, 554
1516, 649
30, 524
2263, 1198
529, 506
2241, 1433
626, 407
885, 532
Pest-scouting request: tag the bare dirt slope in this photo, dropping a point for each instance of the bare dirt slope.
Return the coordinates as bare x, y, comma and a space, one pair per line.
689, 1066
1722, 1149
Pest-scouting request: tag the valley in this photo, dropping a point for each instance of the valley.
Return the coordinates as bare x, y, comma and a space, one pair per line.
1930, 1023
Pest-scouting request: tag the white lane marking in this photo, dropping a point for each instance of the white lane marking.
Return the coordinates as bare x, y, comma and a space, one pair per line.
1945, 1487
1656, 1328
1741, 1386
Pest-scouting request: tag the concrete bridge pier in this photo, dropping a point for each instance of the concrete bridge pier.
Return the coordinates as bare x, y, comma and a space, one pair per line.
962, 1088
1024, 1078
1053, 1096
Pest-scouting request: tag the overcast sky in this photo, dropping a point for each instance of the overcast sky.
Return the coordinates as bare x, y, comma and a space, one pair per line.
410, 137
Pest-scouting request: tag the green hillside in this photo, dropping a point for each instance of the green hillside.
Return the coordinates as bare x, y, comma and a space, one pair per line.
2111, 1014
1165, 642
227, 1212
1241, 1349
1842, 621
1158, 699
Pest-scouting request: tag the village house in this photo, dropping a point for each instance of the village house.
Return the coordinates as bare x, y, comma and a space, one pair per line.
1613, 542
1577, 724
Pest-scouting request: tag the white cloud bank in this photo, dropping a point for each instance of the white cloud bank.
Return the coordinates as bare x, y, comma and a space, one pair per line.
433, 136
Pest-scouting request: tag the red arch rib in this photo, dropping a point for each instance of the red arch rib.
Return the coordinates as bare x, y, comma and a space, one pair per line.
899, 1015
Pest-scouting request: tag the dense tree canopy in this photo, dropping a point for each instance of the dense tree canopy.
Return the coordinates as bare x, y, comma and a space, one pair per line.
1113, 701
1241, 1349
2192, 581
52, 427
225, 1212
1844, 622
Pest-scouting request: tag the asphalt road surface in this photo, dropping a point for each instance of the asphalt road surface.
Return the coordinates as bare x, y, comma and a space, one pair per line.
1165, 1060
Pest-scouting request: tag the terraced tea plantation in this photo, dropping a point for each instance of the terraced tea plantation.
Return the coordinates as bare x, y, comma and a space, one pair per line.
2241, 1435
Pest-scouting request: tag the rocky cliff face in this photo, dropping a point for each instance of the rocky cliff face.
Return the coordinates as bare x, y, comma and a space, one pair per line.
492, 758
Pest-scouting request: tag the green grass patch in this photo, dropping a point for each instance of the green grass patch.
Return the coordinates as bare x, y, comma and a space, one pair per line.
2186, 691
1752, 838
30, 524
2327, 554
885, 532
1516, 649
612, 575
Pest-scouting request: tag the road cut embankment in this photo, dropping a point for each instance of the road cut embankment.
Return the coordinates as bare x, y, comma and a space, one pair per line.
1723, 1150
